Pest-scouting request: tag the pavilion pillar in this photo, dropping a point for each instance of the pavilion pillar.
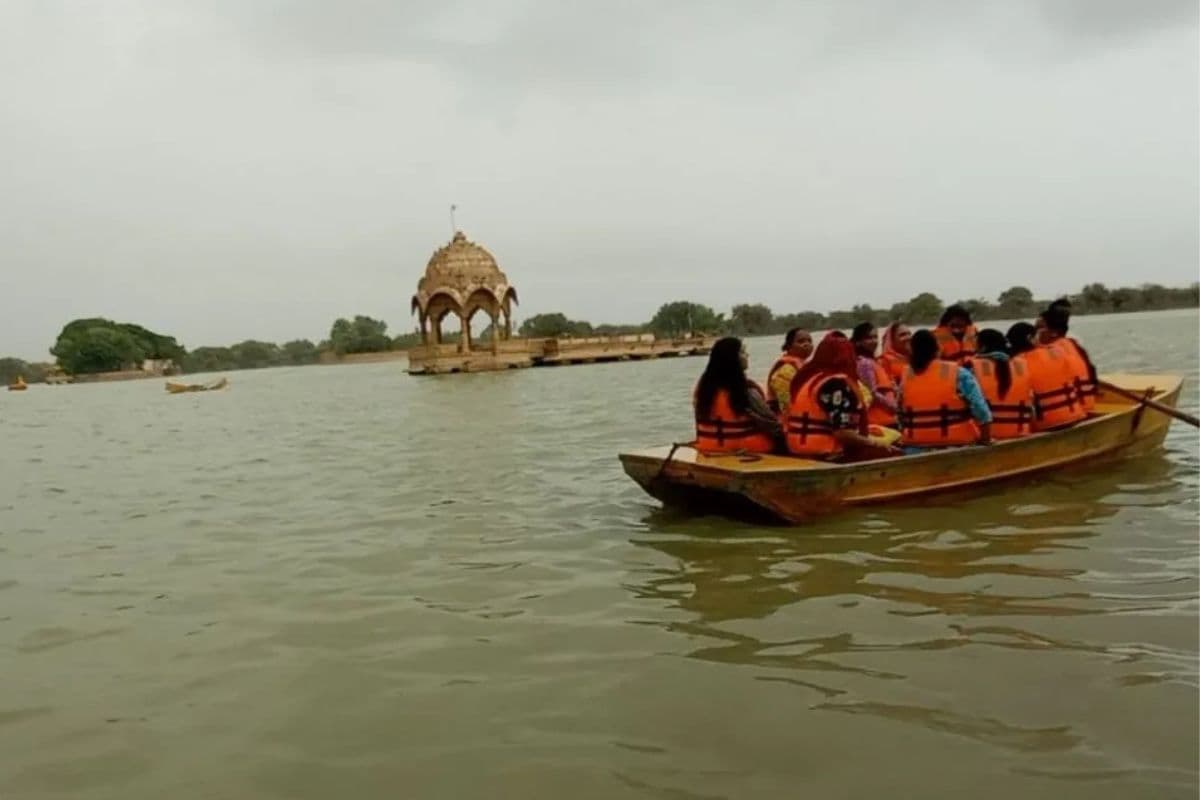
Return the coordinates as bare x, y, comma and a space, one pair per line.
495, 334
464, 341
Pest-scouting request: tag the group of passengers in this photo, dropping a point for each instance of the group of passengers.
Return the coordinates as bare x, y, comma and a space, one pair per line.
856, 397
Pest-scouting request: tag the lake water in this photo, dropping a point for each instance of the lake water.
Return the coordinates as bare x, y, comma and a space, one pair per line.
348, 582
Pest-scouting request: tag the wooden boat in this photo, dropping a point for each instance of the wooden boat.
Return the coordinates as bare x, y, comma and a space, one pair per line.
796, 489
18, 385
183, 388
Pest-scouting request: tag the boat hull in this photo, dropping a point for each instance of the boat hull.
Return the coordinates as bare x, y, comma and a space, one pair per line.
796, 490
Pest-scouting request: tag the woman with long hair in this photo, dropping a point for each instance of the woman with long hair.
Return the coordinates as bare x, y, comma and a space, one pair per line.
895, 350
825, 416
940, 403
731, 410
1005, 384
880, 387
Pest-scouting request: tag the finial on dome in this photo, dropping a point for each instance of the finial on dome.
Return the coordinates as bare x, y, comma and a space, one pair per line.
459, 236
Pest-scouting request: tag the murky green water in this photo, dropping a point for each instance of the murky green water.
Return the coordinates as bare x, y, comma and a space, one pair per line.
346, 582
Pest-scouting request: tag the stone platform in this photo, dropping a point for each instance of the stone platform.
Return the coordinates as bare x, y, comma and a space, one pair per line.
520, 353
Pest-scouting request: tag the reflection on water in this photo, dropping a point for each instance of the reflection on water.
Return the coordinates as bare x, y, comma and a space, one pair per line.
994, 555
346, 582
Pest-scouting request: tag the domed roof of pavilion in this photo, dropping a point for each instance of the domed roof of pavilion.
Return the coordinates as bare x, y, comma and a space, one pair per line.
462, 271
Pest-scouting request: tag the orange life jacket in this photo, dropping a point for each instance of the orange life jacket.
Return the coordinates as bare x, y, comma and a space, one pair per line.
877, 414
895, 365
1056, 399
786, 358
809, 432
725, 431
1080, 369
1012, 415
953, 349
933, 414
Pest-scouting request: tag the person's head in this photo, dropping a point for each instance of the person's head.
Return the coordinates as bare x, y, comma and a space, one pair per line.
865, 338
729, 356
726, 370
990, 340
1054, 322
1020, 338
957, 319
924, 350
798, 342
898, 337
834, 355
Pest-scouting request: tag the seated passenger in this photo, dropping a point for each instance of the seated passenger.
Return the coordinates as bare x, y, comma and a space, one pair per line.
1056, 400
894, 358
731, 410
1021, 339
955, 335
940, 403
825, 417
1053, 324
1005, 384
797, 347
881, 388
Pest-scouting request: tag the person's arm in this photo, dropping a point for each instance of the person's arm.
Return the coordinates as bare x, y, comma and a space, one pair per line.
761, 415
972, 394
781, 386
842, 405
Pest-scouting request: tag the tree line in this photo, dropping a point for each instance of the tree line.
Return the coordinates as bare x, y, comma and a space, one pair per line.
95, 344
755, 319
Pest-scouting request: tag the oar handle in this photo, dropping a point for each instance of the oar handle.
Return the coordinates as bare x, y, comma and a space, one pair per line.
1157, 406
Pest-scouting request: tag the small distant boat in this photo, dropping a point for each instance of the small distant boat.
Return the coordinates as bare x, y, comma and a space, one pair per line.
796, 490
184, 388
18, 385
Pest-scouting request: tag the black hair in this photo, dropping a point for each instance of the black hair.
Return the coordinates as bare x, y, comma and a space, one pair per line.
990, 340
724, 371
790, 339
924, 350
1057, 318
1020, 338
861, 331
955, 311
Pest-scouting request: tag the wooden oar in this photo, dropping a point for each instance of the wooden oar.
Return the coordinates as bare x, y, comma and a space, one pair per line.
1157, 406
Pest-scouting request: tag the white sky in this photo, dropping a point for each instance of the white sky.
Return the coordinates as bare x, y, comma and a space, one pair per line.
240, 169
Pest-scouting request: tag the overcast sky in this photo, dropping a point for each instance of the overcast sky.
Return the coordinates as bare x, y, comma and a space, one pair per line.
240, 169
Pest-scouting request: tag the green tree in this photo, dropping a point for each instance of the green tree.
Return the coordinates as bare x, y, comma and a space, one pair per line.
209, 359
552, 326
751, 319
360, 335
1016, 303
406, 340
299, 351
923, 309
683, 317
97, 345
252, 354
1126, 299
1095, 298
978, 308
13, 368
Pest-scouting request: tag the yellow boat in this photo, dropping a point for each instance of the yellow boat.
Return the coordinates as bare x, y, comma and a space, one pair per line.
18, 385
183, 388
796, 489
